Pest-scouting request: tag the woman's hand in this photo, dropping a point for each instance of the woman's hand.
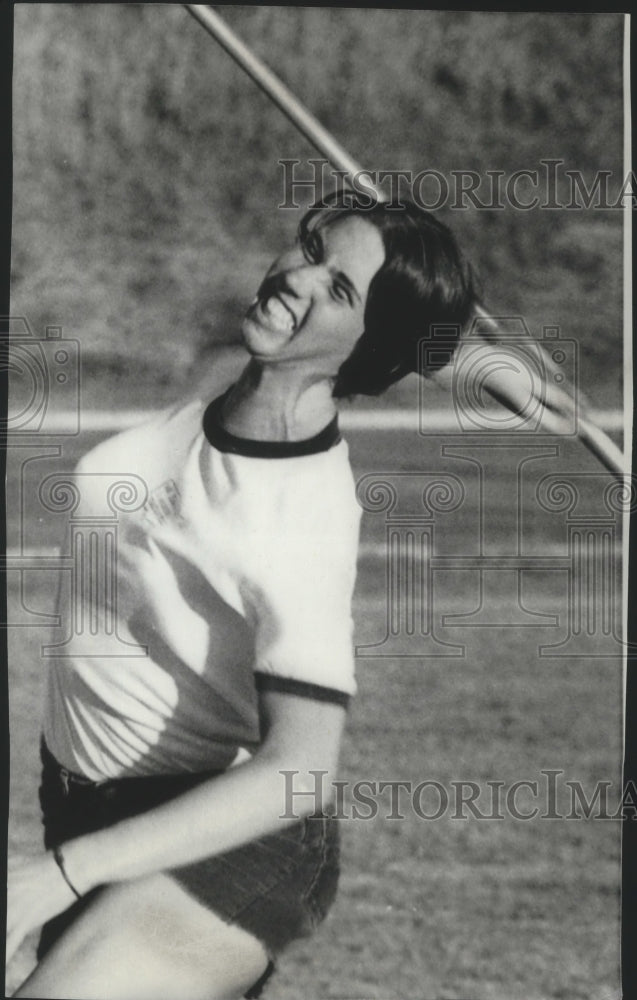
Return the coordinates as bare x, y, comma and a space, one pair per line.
36, 891
301, 736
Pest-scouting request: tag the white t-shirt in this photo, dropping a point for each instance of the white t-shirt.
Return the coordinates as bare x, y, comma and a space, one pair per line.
236, 573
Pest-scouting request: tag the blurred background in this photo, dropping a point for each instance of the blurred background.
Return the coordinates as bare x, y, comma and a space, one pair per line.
147, 177
146, 186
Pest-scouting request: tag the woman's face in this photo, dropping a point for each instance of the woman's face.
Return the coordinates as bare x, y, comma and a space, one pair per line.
311, 303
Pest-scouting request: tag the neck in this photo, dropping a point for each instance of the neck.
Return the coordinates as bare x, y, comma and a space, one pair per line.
270, 403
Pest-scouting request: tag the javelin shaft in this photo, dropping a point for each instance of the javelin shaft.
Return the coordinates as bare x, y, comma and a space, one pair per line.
594, 439
276, 90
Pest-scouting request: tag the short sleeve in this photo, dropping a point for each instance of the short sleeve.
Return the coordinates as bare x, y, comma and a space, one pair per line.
301, 600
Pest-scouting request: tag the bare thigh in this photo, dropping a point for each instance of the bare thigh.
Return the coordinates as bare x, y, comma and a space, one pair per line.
148, 940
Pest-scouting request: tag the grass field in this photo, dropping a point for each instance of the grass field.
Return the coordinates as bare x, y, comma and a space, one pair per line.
147, 175
447, 909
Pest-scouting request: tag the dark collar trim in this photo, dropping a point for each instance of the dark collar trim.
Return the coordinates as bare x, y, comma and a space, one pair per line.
222, 440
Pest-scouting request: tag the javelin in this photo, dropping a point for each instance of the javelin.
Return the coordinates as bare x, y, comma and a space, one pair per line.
559, 407
276, 90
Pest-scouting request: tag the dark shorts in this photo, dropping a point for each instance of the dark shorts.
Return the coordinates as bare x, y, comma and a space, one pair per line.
277, 888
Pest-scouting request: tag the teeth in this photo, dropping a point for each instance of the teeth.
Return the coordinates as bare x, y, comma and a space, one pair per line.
278, 314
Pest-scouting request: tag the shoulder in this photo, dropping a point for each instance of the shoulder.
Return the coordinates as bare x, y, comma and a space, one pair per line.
164, 430
311, 495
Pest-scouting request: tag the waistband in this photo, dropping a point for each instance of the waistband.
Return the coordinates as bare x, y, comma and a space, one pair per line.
68, 778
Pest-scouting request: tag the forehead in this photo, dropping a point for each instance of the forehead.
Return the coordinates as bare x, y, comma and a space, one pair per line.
355, 246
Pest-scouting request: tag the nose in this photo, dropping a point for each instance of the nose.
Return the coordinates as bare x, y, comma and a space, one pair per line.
304, 278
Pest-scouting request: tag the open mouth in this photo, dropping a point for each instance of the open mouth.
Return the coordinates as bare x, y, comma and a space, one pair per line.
275, 313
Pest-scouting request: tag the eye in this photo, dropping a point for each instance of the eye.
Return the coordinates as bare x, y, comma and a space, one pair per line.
312, 248
340, 292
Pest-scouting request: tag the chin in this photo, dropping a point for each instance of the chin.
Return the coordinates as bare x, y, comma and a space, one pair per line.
259, 342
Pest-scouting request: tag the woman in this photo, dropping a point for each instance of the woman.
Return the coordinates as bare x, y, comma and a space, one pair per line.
169, 871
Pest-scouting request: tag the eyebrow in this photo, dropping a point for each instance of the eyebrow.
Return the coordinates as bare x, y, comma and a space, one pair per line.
341, 275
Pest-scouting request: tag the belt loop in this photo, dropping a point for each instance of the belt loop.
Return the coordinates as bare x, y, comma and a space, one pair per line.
64, 778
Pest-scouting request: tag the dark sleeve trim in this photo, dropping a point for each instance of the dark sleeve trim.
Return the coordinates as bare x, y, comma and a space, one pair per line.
304, 689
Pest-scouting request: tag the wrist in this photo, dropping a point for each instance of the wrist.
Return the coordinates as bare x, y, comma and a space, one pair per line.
78, 868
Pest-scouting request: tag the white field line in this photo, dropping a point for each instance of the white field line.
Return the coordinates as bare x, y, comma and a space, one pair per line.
366, 550
109, 421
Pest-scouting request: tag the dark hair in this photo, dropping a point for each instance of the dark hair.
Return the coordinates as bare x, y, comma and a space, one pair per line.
424, 283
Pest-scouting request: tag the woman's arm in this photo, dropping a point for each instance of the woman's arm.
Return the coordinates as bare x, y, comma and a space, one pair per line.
246, 802
502, 374
559, 414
